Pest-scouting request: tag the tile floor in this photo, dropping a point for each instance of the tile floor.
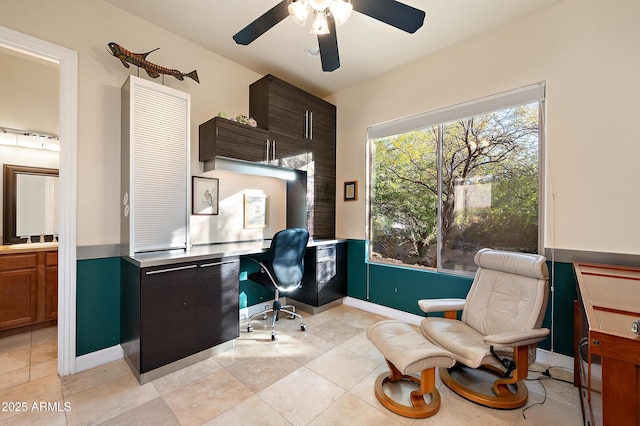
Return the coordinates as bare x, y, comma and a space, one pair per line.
323, 376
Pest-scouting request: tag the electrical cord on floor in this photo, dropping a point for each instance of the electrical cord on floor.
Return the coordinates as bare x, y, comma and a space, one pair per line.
546, 374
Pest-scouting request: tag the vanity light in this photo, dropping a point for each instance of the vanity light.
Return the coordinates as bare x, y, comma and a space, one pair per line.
8, 139
28, 139
51, 144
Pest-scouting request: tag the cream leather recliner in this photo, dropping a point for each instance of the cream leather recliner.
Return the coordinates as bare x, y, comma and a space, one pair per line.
498, 330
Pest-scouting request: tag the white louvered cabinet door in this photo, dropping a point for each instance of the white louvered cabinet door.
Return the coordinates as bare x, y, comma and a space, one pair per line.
158, 166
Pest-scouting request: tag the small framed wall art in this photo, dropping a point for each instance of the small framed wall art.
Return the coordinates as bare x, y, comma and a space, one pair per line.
351, 190
256, 211
204, 197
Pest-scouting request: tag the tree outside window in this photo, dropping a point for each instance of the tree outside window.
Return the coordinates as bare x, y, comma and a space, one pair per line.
480, 173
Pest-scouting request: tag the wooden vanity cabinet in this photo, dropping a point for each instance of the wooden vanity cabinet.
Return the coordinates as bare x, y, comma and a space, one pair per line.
28, 289
169, 312
18, 290
51, 285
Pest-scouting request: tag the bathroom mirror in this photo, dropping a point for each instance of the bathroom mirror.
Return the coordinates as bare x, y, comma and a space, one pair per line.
30, 203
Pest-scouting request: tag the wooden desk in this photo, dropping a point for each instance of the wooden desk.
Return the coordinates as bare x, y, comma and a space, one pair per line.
607, 352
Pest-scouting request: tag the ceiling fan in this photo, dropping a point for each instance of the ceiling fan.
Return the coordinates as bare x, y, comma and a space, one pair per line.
327, 15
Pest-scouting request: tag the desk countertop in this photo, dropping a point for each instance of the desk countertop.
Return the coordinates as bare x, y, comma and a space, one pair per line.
210, 251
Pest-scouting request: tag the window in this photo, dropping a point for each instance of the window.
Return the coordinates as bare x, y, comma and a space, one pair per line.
447, 183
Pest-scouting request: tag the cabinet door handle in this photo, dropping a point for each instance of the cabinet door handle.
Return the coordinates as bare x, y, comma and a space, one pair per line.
223, 262
310, 124
306, 124
162, 271
268, 144
273, 149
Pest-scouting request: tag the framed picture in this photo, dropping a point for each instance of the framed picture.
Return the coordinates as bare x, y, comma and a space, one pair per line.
256, 211
351, 190
204, 197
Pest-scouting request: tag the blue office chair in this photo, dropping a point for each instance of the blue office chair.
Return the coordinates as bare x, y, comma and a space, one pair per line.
283, 270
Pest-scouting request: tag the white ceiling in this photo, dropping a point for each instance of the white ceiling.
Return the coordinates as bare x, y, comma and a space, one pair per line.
367, 47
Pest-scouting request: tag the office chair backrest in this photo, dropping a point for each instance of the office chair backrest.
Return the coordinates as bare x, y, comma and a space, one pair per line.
286, 255
509, 292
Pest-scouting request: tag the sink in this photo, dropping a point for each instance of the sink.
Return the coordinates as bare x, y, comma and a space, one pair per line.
33, 245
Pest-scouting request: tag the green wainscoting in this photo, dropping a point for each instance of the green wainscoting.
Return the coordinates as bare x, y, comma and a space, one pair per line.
98, 295
400, 288
357, 269
565, 294
97, 304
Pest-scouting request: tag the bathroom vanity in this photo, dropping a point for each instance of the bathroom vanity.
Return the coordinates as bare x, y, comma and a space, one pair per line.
28, 287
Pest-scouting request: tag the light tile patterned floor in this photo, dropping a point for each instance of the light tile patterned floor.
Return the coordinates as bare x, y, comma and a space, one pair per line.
323, 376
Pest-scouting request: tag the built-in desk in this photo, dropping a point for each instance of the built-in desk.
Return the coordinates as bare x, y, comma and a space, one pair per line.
210, 251
179, 307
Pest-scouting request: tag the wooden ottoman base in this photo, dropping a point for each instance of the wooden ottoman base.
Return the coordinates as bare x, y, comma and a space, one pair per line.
419, 407
407, 352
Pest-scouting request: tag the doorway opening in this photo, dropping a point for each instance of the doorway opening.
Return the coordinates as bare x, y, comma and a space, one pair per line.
67, 61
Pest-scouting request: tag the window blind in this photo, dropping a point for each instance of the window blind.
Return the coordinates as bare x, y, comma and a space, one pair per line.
512, 98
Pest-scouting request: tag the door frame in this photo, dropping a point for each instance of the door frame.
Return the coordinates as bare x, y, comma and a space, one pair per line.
68, 103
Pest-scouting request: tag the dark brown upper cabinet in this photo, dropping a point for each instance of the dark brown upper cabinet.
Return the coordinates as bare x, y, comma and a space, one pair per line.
226, 138
302, 130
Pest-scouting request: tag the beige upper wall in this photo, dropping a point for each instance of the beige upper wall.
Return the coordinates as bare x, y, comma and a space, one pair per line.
86, 26
587, 53
28, 93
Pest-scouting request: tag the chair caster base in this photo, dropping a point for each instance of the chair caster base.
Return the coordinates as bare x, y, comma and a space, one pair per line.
508, 400
249, 328
303, 327
274, 337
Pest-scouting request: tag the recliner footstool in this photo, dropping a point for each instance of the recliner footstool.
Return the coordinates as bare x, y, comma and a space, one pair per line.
407, 352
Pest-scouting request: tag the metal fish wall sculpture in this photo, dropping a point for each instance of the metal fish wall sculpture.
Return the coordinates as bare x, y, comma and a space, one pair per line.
140, 60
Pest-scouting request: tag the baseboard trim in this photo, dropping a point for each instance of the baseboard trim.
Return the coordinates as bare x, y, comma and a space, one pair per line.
383, 310
114, 353
97, 358
552, 359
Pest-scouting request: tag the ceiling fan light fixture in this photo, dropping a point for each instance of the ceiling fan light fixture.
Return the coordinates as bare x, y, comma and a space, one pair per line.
319, 5
320, 24
298, 9
341, 10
